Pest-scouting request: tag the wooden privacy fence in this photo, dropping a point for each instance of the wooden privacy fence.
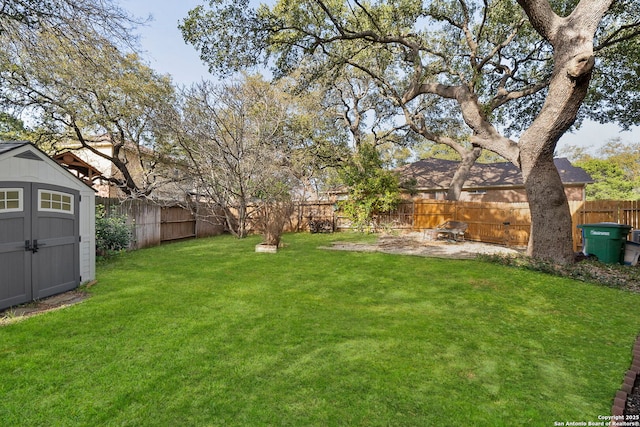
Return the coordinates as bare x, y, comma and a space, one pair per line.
500, 223
506, 224
176, 223
153, 224
509, 223
622, 212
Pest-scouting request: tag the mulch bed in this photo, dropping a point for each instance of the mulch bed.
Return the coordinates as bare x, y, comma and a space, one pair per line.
633, 401
630, 389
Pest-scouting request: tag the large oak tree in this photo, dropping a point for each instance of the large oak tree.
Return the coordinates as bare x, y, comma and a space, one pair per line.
514, 74
69, 68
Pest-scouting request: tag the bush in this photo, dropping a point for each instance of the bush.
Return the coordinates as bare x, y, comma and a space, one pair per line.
112, 232
372, 189
272, 217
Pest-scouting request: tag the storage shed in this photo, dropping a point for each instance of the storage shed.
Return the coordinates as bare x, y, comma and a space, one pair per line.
47, 226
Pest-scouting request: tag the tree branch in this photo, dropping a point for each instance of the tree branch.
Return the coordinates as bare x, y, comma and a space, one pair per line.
542, 17
622, 34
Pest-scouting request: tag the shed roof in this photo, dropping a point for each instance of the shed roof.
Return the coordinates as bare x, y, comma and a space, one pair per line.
31, 152
6, 146
438, 173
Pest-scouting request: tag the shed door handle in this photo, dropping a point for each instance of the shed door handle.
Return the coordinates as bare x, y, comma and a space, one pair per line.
33, 248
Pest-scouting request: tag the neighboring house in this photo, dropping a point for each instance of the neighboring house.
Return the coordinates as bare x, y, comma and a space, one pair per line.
487, 182
145, 167
102, 166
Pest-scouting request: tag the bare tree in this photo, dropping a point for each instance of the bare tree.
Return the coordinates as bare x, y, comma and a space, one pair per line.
68, 19
251, 144
233, 135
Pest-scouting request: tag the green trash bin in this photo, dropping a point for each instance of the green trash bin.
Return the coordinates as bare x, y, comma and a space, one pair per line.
606, 240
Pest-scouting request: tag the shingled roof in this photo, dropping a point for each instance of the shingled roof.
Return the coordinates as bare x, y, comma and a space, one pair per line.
437, 174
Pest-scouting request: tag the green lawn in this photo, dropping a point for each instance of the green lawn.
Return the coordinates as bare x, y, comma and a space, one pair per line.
208, 332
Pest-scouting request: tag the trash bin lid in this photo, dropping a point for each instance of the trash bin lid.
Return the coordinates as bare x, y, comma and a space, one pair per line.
606, 225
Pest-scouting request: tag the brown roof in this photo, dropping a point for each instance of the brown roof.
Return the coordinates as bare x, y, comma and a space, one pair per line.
83, 169
438, 173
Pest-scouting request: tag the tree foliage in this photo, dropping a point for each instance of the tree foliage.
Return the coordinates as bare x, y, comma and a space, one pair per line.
615, 168
68, 19
69, 69
371, 189
610, 181
614, 95
13, 129
85, 91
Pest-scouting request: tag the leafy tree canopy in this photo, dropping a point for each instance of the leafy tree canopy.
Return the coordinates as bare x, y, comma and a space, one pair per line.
86, 91
611, 183
615, 168
69, 19
12, 128
490, 47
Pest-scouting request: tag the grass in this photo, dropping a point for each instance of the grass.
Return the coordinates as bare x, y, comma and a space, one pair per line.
208, 332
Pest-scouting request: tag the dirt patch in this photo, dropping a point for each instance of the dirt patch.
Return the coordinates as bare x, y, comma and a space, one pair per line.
55, 302
427, 245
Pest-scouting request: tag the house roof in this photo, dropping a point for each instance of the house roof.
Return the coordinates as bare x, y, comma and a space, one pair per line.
83, 169
438, 173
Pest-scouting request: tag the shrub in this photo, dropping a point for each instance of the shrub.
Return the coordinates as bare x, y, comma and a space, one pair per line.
112, 232
272, 217
372, 189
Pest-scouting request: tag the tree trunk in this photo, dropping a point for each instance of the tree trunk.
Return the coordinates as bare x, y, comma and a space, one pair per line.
462, 173
241, 232
572, 41
551, 227
236, 220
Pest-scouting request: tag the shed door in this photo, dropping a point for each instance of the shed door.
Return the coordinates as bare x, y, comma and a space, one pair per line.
55, 263
15, 230
39, 242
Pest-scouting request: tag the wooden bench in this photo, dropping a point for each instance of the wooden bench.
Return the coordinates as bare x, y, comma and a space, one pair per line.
454, 229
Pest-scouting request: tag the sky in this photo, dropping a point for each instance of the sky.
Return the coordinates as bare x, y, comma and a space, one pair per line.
163, 46
167, 53
161, 40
